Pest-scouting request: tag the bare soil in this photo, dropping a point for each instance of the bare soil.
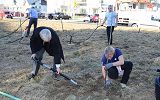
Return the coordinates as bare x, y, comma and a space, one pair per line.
82, 63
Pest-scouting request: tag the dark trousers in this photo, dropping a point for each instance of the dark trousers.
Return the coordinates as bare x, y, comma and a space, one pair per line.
109, 30
32, 21
157, 88
36, 66
39, 57
127, 67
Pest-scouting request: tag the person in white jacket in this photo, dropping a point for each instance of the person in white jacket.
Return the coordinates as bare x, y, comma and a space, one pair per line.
111, 19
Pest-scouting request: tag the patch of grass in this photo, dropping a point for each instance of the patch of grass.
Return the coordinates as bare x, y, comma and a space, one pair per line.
76, 53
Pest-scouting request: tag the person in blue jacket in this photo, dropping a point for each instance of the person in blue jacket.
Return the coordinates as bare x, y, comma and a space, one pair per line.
33, 16
113, 63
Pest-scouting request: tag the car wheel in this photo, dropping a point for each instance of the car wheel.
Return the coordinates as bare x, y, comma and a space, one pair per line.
134, 25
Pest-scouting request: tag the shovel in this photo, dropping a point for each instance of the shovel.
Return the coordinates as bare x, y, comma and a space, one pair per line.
54, 70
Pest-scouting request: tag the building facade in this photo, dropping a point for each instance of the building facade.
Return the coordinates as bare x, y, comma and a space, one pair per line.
81, 7
144, 5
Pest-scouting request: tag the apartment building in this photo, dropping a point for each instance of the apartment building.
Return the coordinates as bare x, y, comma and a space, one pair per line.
64, 6
147, 5
77, 7
91, 7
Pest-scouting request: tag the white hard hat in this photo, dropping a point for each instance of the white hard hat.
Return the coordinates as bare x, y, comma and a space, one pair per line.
45, 35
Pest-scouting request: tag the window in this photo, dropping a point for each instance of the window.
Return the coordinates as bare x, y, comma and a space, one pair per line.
84, 4
95, 10
83, 11
141, 6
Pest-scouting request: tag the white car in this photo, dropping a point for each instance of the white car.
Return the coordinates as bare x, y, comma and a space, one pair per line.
87, 18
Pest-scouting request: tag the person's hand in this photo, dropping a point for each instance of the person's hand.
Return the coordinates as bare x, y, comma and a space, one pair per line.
109, 65
58, 68
33, 56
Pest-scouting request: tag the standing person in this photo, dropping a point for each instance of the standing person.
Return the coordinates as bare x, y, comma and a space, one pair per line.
45, 39
111, 22
33, 15
113, 64
157, 88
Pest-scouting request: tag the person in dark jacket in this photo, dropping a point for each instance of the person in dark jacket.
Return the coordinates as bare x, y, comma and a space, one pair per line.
45, 39
157, 88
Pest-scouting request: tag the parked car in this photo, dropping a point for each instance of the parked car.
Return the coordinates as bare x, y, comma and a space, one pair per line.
50, 16
87, 18
95, 18
57, 16
63, 16
8, 15
41, 15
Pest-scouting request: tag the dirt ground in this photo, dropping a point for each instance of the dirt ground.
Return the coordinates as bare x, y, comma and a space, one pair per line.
82, 63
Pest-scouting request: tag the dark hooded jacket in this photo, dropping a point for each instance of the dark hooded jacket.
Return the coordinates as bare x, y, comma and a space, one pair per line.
53, 48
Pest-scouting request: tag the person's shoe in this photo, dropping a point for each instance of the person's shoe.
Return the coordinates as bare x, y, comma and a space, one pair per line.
31, 76
124, 86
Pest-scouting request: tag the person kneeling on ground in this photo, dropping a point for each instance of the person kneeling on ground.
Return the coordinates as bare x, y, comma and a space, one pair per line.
157, 88
113, 63
45, 39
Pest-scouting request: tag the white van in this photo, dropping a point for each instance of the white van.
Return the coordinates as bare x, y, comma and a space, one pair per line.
139, 18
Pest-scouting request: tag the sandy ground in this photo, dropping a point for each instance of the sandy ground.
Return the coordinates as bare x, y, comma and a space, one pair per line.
82, 63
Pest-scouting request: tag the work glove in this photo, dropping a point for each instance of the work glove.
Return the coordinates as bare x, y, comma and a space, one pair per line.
33, 56
107, 83
109, 65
